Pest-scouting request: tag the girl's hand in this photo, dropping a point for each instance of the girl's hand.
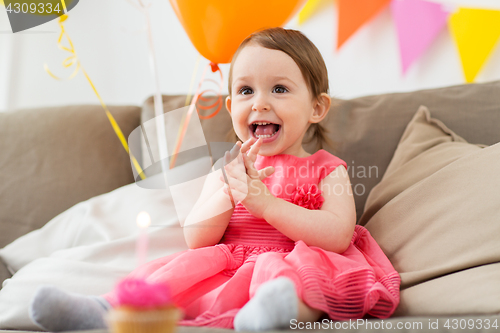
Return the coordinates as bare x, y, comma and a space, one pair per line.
244, 182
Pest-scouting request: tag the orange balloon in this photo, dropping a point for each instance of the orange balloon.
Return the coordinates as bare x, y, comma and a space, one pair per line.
217, 27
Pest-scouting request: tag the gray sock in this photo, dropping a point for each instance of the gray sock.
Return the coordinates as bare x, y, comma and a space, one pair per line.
274, 305
55, 310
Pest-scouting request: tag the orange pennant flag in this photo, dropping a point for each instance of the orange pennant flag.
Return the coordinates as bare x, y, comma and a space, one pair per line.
353, 14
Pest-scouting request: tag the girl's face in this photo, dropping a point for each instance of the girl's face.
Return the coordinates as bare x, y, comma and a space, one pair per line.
270, 99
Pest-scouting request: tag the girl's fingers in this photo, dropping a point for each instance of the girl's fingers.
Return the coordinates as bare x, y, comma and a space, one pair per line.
240, 160
234, 196
246, 145
227, 165
251, 156
238, 173
249, 164
232, 169
249, 150
231, 154
230, 162
239, 186
236, 185
266, 172
227, 158
255, 149
234, 152
235, 164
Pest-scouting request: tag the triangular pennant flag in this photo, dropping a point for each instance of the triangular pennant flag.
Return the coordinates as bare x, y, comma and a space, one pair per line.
311, 7
418, 23
353, 14
476, 32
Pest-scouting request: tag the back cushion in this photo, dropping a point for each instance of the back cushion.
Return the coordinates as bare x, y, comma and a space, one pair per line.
366, 130
53, 158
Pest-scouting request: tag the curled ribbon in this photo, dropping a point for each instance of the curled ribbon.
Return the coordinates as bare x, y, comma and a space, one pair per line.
199, 96
73, 60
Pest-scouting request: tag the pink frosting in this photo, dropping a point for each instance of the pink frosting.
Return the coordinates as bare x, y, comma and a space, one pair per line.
308, 196
141, 294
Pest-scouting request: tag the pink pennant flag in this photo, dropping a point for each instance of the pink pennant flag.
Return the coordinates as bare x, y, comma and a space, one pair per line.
418, 23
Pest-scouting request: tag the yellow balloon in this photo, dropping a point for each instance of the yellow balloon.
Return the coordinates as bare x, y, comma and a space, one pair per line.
217, 27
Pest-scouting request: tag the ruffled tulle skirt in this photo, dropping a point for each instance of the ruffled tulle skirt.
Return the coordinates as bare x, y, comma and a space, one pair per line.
212, 283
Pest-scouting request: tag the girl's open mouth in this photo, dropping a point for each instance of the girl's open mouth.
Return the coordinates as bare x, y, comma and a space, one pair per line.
265, 130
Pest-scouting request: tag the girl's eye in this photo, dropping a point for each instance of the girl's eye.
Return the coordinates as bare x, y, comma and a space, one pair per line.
245, 91
280, 89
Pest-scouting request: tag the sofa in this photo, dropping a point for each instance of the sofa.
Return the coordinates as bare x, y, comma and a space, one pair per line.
423, 165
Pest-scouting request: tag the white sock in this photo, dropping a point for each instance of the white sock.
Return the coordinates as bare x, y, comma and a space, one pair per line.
55, 310
274, 305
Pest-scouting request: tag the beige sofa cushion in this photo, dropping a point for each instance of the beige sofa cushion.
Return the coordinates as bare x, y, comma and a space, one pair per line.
366, 130
435, 214
53, 158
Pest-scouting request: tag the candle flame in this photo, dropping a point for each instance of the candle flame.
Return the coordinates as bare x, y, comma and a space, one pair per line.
143, 220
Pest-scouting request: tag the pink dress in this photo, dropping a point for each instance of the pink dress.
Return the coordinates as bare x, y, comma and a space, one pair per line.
212, 283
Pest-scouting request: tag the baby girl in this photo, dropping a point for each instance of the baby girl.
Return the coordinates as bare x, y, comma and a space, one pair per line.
287, 248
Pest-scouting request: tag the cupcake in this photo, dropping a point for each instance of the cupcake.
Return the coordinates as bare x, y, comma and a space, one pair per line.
143, 308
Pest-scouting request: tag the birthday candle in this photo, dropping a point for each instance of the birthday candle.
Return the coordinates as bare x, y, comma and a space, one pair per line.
143, 222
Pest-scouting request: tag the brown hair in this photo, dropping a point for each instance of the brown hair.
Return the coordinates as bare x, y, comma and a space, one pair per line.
308, 59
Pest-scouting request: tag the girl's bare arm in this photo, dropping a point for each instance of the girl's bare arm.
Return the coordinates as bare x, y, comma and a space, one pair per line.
331, 227
206, 223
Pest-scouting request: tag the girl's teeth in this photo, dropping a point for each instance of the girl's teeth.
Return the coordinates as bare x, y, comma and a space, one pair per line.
266, 135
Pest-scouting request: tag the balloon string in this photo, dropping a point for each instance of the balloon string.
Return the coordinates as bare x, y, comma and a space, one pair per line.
188, 98
187, 118
158, 100
73, 60
183, 127
193, 77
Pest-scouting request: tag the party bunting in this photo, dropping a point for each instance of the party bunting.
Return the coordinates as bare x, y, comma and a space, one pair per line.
476, 32
355, 13
310, 8
418, 23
